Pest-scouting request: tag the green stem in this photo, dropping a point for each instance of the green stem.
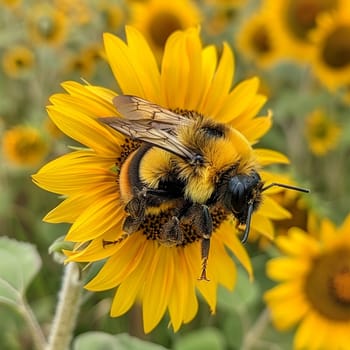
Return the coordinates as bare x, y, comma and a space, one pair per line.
253, 336
35, 330
67, 309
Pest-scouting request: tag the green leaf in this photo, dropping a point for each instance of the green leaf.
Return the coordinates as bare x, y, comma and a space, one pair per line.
100, 340
19, 263
245, 294
9, 295
205, 339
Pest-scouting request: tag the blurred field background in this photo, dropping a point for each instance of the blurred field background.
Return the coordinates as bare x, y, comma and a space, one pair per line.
303, 61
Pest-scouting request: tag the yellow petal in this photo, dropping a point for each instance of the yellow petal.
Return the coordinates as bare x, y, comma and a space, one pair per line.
221, 83
209, 62
130, 288
131, 254
223, 268
69, 210
253, 129
145, 64
272, 210
263, 225
227, 234
238, 100
284, 268
268, 156
84, 129
99, 217
74, 172
195, 77
95, 100
175, 76
158, 287
124, 66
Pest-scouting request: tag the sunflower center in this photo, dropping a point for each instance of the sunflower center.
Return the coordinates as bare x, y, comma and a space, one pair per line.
261, 40
336, 51
341, 285
47, 27
328, 285
320, 131
302, 14
20, 63
161, 26
154, 224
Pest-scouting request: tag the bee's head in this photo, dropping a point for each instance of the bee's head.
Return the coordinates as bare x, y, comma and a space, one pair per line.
242, 190
243, 196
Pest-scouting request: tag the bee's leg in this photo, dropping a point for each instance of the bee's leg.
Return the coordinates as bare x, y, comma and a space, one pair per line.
122, 237
171, 233
136, 206
203, 223
205, 253
136, 209
201, 219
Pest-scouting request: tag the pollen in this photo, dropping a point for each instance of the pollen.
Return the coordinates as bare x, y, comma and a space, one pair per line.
127, 148
153, 225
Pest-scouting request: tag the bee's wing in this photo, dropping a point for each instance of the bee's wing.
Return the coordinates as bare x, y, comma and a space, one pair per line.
150, 123
136, 108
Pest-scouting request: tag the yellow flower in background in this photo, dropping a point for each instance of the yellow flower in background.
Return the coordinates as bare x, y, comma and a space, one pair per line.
322, 133
300, 213
12, 4
24, 146
162, 278
219, 15
47, 25
83, 62
18, 61
113, 15
314, 289
331, 55
257, 40
293, 21
157, 19
77, 11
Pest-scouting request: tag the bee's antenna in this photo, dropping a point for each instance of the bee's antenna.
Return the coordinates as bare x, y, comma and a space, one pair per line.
290, 187
247, 224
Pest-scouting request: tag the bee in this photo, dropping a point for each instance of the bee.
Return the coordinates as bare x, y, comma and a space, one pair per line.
187, 174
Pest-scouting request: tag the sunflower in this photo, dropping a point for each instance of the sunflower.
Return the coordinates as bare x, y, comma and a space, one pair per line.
48, 25
24, 146
112, 14
162, 278
220, 15
322, 133
11, 4
315, 286
157, 19
331, 55
78, 11
293, 20
257, 40
83, 62
18, 61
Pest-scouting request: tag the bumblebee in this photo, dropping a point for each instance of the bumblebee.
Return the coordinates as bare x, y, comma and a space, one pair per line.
185, 176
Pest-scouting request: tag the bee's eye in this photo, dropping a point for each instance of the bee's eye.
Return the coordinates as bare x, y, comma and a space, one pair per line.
237, 188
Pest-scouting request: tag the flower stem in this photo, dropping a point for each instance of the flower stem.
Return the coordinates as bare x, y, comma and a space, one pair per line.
35, 330
67, 309
252, 337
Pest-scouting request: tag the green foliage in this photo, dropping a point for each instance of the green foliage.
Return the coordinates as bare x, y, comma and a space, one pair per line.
19, 263
100, 340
